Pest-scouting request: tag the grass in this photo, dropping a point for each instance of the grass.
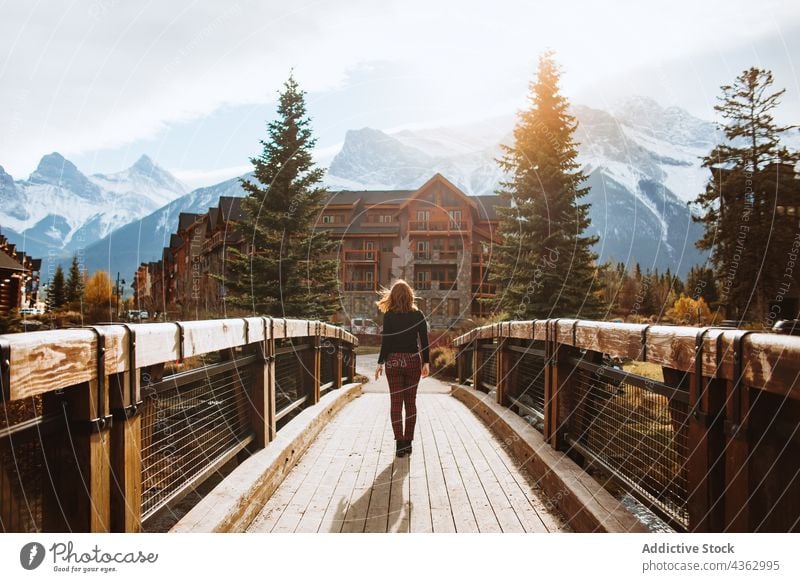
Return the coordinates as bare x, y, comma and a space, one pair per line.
364, 350
646, 369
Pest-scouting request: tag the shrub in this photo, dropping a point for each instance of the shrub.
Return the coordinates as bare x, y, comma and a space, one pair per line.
443, 362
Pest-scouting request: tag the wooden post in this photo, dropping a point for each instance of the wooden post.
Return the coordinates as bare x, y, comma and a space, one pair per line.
262, 415
337, 362
311, 363
81, 471
503, 361
737, 447
126, 445
476, 376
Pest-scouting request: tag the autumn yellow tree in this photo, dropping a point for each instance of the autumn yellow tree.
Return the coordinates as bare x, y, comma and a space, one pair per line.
98, 298
690, 311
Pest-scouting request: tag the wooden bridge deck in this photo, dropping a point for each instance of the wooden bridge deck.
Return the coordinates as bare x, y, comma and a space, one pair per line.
458, 479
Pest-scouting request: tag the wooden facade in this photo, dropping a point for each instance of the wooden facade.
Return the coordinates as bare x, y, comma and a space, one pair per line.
436, 237
19, 278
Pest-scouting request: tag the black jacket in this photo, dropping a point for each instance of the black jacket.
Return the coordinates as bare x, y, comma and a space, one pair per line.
400, 334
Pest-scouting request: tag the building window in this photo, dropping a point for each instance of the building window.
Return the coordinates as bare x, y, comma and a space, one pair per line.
328, 219
453, 308
436, 306
423, 215
780, 210
791, 210
455, 218
385, 218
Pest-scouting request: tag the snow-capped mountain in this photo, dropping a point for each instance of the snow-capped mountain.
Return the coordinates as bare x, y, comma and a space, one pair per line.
642, 160
142, 240
58, 209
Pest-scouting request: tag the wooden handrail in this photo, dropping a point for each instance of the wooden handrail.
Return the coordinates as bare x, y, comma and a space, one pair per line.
45, 361
770, 362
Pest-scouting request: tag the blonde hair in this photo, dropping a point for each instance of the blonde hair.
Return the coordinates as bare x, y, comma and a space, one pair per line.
400, 298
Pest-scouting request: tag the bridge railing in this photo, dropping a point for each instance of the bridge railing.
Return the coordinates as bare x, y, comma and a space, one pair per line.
713, 446
103, 427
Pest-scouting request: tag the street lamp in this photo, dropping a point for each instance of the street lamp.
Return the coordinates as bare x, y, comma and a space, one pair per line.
120, 284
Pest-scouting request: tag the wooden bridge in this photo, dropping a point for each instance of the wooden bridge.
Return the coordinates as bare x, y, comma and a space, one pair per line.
264, 425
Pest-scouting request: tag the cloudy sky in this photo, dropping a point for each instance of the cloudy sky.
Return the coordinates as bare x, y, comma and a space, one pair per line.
192, 83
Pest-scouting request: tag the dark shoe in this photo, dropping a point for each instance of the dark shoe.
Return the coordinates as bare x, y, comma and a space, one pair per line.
401, 448
408, 447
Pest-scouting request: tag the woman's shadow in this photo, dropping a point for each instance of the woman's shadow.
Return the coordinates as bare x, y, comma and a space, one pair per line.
352, 514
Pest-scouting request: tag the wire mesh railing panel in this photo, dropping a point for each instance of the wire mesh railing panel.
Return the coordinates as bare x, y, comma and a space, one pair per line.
528, 369
25, 476
637, 429
188, 425
487, 366
328, 365
289, 370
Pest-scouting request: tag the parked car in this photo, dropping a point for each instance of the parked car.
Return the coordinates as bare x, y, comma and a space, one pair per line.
360, 325
29, 311
144, 315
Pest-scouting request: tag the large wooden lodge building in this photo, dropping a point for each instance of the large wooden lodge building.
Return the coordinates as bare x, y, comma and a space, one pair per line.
435, 237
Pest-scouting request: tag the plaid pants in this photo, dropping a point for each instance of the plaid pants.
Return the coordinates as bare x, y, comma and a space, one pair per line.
403, 371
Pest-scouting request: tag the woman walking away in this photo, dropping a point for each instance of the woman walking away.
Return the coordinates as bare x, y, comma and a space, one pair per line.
406, 361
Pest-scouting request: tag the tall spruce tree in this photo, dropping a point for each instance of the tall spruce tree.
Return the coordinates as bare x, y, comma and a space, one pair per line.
74, 285
748, 171
545, 266
285, 270
56, 293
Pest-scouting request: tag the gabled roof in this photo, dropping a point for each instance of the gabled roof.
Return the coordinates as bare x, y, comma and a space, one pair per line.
487, 204
186, 219
438, 178
9, 264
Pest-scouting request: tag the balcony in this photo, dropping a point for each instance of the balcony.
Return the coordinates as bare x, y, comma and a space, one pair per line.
438, 255
439, 226
484, 289
436, 285
361, 256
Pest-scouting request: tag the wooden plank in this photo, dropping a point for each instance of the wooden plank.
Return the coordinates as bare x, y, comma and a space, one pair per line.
201, 337
44, 361
463, 512
399, 518
378, 511
156, 343
441, 513
521, 329
357, 510
345, 436
420, 519
476, 467
621, 340
521, 495
342, 497
277, 509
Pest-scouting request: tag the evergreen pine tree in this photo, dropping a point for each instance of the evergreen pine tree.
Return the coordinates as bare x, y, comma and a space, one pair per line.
74, 286
285, 270
545, 264
739, 200
57, 294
